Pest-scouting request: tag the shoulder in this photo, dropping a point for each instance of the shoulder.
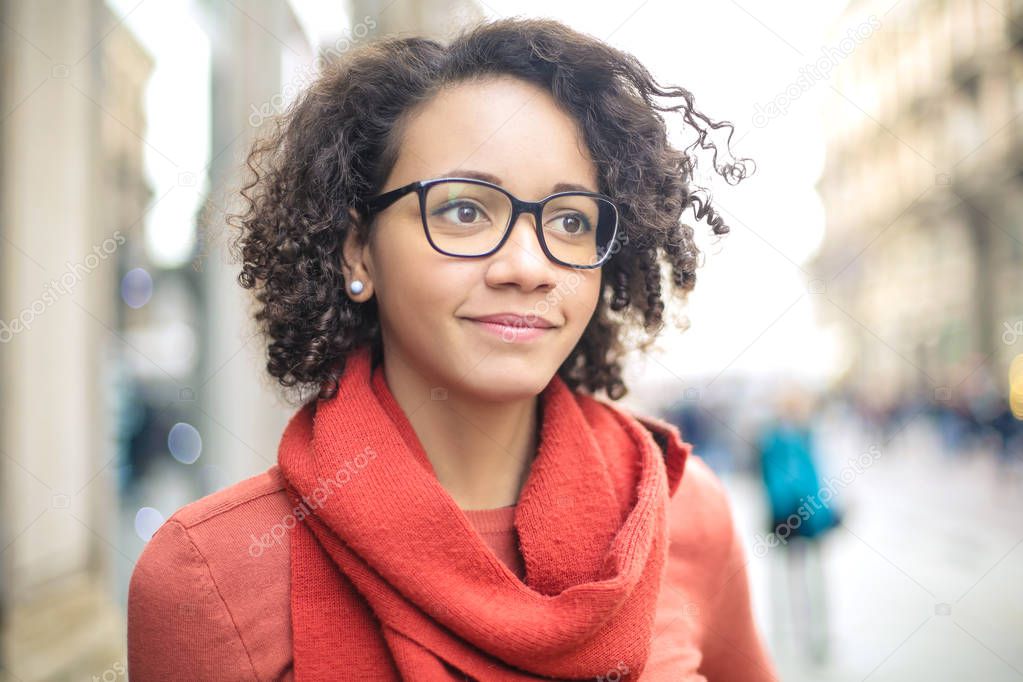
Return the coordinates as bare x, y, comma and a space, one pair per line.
226, 526
213, 581
708, 566
701, 484
700, 510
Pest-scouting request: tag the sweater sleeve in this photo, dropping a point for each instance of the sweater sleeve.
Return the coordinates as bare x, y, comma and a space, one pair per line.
733, 649
179, 626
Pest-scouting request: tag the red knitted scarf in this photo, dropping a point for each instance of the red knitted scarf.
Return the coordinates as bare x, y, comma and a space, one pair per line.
389, 581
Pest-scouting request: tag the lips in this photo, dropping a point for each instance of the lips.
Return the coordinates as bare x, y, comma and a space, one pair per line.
515, 320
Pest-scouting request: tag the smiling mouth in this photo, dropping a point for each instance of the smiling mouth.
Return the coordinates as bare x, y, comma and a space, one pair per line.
516, 320
510, 333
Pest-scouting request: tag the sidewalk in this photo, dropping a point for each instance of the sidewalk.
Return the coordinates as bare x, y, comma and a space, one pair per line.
923, 580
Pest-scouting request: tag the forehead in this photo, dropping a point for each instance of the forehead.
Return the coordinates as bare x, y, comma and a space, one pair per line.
503, 126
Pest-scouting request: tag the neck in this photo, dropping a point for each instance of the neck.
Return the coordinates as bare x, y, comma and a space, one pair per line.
481, 451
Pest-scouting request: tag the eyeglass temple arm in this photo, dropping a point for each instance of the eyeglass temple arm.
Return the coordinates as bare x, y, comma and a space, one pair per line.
382, 201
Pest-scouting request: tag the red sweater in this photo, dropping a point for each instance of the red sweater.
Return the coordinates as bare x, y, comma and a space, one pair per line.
204, 606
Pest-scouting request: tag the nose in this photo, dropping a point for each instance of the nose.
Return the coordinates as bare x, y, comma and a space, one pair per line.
521, 260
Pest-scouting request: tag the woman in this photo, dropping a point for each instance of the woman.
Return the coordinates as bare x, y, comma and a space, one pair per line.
450, 244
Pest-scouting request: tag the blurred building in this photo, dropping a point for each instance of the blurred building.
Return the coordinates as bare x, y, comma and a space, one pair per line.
923, 189
71, 196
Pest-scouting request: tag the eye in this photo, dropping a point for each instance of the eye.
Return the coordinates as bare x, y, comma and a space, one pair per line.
460, 213
572, 223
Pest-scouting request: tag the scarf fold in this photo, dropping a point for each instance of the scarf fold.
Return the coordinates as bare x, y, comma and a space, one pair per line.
389, 580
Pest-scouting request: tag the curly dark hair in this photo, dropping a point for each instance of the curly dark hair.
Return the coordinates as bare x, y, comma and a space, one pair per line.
336, 144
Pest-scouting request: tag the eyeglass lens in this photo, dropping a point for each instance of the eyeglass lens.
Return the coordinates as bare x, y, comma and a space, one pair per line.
467, 219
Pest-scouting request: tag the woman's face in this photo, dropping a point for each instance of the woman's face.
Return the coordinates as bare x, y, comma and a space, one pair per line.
513, 131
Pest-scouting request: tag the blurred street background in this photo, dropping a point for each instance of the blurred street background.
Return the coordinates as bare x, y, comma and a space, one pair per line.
852, 367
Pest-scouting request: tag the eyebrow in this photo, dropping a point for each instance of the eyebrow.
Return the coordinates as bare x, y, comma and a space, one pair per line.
488, 177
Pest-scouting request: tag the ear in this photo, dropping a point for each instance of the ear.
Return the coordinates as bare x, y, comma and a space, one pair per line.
356, 260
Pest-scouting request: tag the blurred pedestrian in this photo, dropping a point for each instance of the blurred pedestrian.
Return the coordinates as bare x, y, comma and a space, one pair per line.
798, 517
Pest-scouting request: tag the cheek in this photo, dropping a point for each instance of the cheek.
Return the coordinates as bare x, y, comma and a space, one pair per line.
419, 288
401, 281
583, 292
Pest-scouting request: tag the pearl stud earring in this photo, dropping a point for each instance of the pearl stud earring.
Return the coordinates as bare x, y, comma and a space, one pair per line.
356, 286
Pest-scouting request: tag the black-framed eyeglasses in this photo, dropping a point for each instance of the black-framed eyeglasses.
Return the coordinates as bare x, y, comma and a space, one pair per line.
469, 218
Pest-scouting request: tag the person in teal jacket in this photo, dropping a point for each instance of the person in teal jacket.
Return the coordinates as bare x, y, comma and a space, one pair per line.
790, 475
800, 514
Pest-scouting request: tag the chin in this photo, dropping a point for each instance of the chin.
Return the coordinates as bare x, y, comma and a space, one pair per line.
508, 379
